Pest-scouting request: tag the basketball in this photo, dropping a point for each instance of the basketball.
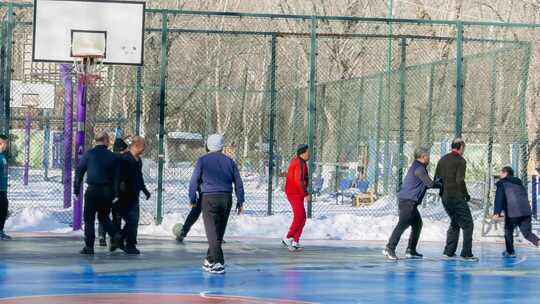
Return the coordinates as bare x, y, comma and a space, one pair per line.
177, 229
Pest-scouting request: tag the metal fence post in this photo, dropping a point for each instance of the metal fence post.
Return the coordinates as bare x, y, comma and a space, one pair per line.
459, 79
7, 67
271, 122
375, 167
312, 108
46, 144
402, 92
524, 155
162, 104
338, 132
387, 165
429, 131
359, 128
535, 196
138, 101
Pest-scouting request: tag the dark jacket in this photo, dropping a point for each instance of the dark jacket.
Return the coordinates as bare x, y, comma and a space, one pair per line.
99, 164
215, 172
451, 170
511, 197
130, 180
415, 183
3, 172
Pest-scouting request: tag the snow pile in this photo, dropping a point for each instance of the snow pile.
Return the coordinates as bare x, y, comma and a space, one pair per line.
35, 220
335, 227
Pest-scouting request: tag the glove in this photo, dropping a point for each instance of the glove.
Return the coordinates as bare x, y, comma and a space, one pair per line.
115, 200
467, 198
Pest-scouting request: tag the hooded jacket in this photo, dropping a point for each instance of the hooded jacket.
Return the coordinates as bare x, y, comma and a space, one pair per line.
511, 197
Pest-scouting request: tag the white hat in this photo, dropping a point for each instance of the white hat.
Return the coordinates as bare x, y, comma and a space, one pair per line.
215, 142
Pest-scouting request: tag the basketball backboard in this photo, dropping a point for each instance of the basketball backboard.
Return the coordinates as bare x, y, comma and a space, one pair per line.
35, 95
65, 29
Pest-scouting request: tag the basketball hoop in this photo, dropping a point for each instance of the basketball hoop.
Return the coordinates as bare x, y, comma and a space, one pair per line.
88, 69
88, 48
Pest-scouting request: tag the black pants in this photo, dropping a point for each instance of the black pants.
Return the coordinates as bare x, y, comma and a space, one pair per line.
97, 199
116, 220
460, 218
525, 226
130, 213
408, 216
216, 208
191, 219
3, 209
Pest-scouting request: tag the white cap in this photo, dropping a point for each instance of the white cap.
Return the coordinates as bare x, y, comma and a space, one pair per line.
215, 142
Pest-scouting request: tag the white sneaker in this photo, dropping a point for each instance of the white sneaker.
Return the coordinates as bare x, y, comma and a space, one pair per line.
206, 265
295, 246
286, 242
217, 268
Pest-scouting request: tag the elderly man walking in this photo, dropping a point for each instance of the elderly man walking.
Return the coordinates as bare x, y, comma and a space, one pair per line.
215, 174
455, 197
411, 194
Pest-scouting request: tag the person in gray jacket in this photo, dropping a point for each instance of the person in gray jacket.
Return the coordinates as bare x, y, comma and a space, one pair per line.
512, 199
411, 194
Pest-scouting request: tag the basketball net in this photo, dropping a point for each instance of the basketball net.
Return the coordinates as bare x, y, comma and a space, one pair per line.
88, 69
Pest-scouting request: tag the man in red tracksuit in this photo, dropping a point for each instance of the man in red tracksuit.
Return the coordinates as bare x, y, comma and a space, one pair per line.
296, 189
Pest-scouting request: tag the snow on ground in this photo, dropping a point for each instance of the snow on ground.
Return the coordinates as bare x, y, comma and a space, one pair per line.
35, 220
334, 227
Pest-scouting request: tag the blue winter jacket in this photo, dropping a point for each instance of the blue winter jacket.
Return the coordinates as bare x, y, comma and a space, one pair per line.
216, 173
3, 173
99, 164
415, 183
511, 197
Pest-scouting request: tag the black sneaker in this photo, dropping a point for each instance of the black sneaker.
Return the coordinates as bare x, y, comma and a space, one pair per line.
413, 254
505, 254
87, 250
390, 254
117, 242
132, 250
470, 258
102, 242
180, 238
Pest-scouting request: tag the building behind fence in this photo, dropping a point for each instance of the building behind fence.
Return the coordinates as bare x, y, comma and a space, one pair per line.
363, 92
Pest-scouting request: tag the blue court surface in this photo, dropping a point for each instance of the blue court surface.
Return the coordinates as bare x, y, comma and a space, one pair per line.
47, 269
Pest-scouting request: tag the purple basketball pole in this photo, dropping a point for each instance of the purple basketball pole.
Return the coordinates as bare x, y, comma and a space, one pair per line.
27, 126
79, 147
65, 73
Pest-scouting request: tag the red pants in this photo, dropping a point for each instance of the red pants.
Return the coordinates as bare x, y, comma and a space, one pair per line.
299, 216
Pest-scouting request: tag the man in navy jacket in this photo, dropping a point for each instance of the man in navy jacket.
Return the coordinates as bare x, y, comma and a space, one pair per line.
411, 194
215, 174
511, 198
99, 164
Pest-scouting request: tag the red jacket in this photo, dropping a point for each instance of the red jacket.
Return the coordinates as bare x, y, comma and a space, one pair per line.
297, 178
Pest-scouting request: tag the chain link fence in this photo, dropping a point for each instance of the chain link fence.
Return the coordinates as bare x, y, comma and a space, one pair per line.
362, 92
